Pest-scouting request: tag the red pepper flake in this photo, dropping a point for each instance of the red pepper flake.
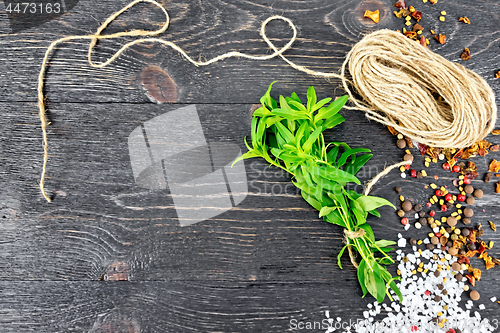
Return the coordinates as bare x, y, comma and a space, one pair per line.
404, 221
464, 19
411, 34
496, 131
495, 148
414, 328
440, 38
423, 41
465, 54
427, 293
497, 75
400, 4
417, 16
423, 148
497, 189
471, 279
433, 1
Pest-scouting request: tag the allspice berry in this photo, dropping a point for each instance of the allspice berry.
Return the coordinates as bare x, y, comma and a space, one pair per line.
474, 295
466, 220
466, 232
456, 266
435, 240
468, 212
451, 221
401, 143
470, 200
422, 220
468, 189
459, 277
418, 207
407, 157
478, 193
407, 206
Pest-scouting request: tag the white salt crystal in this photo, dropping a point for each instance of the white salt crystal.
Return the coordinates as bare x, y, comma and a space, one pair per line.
493, 299
407, 227
402, 242
403, 175
481, 307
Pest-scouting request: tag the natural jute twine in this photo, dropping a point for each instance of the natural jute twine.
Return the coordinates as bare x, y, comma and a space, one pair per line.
394, 76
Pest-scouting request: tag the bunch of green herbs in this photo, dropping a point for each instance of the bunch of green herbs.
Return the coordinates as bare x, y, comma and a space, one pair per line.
289, 135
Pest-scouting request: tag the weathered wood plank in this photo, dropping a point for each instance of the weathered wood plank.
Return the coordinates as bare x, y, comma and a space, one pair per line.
100, 217
33, 306
327, 30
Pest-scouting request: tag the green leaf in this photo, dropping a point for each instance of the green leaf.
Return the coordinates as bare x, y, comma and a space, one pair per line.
335, 218
311, 98
287, 135
320, 104
299, 106
326, 210
369, 231
267, 100
384, 243
332, 155
361, 276
338, 175
312, 201
332, 109
310, 141
354, 166
348, 153
368, 202
333, 121
295, 97
340, 255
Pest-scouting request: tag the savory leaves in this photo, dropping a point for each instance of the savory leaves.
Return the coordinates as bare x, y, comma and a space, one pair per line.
289, 135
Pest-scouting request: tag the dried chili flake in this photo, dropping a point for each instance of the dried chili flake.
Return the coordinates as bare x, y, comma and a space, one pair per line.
472, 237
373, 15
411, 34
440, 38
464, 19
493, 226
402, 12
471, 279
409, 143
497, 131
488, 261
497, 75
423, 41
464, 260
494, 166
392, 130
417, 15
423, 148
418, 27
465, 54
497, 189
433, 1
400, 4
476, 273
488, 177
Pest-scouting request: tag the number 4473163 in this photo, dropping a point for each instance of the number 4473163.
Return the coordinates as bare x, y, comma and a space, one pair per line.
36, 8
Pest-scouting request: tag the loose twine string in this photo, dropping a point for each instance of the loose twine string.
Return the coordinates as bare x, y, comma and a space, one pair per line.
394, 76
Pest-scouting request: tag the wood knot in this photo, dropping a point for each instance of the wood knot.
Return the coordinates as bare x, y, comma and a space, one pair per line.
159, 87
118, 271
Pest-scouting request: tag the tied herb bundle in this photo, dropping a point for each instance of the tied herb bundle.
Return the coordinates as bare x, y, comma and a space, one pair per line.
289, 135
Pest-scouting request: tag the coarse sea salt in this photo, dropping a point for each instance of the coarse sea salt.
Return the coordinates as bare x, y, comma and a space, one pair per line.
421, 310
